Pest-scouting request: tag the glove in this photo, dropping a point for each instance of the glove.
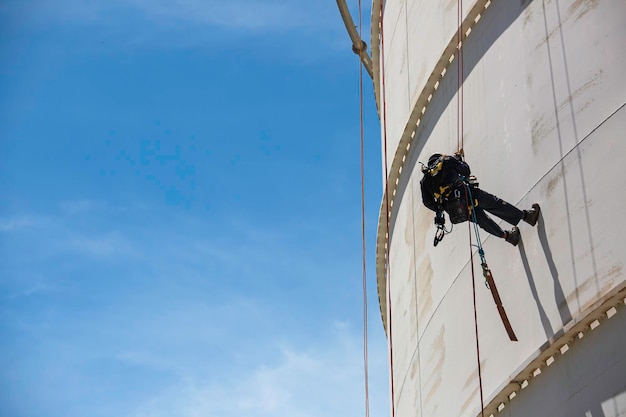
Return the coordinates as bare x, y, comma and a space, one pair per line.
440, 219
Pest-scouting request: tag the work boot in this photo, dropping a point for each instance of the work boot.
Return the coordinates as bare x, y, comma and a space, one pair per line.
531, 216
512, 236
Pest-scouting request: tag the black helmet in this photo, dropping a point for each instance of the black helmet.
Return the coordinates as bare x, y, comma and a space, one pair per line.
433, 159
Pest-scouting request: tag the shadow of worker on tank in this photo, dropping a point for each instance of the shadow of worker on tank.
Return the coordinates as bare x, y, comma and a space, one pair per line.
559, 296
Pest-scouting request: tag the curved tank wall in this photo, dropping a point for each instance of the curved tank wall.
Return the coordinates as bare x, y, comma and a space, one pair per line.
544, 117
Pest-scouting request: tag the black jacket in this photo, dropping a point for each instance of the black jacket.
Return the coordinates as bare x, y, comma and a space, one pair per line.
441, 182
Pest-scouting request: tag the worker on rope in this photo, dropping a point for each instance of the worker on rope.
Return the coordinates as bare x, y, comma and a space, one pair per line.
447, 186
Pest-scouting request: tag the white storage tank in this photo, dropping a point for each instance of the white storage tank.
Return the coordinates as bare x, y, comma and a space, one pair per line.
540, 105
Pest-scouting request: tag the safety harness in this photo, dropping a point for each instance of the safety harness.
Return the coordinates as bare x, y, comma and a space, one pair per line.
448, 196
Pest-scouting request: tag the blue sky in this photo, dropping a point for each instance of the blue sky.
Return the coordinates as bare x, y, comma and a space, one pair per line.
180, 211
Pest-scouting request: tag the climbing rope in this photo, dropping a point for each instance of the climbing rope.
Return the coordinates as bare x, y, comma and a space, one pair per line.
480, 377
363, 242
459, 101
468, 197
470, 203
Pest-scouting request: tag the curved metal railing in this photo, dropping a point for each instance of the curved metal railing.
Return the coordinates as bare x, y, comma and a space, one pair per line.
359, 46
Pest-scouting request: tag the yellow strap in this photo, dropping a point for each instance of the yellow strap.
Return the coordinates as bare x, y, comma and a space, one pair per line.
443, 192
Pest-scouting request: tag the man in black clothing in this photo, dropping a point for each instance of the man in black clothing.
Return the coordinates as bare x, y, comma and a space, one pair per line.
443, 189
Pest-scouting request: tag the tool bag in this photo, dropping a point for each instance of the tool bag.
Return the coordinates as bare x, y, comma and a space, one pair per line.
455, 204
456, 208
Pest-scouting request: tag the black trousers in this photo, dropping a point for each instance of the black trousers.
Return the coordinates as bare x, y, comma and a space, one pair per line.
485, 202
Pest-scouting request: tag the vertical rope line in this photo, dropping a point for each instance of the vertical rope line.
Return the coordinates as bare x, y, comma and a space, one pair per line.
462, 70
480, 376
459, 133
363, 241
387, 208
460, 146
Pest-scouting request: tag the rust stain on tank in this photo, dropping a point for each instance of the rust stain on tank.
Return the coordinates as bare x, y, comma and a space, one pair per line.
421, 79
541, 128
408, 233
553, 182
528, 16
422, 220
471, 380
590, 83
608, 277
469, 400
414, 368
582, 7
437, 357
473, 377
403, 64
416, 399
451, 4
593, 81
413, 318
547, 37
588, 251
544, 125
584, 107
424, 287
616, 271
412, 268
578, 9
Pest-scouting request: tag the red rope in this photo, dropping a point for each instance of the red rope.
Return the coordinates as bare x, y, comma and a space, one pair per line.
462, 60
459, 76
480, 377
462, 65
363, 242
460, 146
387, 210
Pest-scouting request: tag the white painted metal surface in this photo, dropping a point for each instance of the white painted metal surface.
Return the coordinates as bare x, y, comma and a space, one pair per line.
544, 121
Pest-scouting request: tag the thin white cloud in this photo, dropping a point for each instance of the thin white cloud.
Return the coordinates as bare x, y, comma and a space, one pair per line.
35, 289
8, 225
315, 381
246, 15
76, 207
234, 14
185, 321
296, 31
59, 233
106, 245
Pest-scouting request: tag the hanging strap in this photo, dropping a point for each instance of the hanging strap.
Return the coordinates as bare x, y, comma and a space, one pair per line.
489, 281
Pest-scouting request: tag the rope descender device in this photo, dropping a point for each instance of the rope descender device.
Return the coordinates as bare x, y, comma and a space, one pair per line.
440, 221
487, 274
439, 234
